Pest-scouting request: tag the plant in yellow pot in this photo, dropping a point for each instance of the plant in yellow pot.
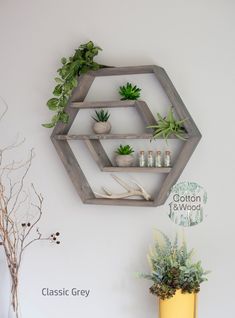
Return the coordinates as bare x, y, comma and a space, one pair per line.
176, 278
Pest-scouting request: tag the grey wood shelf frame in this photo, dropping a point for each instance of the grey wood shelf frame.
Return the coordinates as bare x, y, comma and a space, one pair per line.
137, 169
103, 136
109, 136
60, 136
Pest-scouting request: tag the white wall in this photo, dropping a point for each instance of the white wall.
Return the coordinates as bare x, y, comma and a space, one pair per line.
103, 247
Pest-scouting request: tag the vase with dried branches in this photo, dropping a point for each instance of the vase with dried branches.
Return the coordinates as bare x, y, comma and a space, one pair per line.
20, 214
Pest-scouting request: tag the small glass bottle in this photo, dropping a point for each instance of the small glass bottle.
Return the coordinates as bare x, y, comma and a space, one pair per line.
150, 158
141, 159
158, 159
167, 159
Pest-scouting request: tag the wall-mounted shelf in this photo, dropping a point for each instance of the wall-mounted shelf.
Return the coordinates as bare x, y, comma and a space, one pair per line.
60, 136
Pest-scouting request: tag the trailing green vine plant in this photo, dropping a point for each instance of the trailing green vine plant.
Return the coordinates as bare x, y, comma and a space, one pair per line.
81, 62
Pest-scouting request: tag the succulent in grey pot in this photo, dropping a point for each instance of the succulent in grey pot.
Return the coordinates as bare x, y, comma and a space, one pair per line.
101, 125
124, 156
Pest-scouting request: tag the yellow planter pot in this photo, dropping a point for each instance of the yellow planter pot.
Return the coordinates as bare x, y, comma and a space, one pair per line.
179, 306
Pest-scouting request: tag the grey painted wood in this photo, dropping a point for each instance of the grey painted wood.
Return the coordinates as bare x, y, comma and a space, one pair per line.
103, 104
73, 169
98, 153
79, 94
104, 136
108, 136
178, 167
145, 113
136, 169
120, 202
127, 70
177, 102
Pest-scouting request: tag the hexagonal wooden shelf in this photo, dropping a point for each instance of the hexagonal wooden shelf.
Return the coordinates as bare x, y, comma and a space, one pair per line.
60, 136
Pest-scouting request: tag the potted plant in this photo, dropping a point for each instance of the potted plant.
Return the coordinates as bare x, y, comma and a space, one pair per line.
101, 125
167, 126
129, 92
176, 277
124, 156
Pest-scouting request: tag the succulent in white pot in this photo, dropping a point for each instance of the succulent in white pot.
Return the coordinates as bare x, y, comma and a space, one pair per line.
124, 156
101, 125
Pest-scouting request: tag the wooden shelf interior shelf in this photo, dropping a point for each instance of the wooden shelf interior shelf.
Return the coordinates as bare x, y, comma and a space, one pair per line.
121, 202
108, 104
104, 136
137, 169
110, 136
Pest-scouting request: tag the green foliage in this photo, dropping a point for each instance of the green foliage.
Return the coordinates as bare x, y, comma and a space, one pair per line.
167, 126
172, 268
101, 115
129, 91
124, 150
81, 62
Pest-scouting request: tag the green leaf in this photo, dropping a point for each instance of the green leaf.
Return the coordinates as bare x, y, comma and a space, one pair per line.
64, 117
90, 45
84, 69
95, 51
57, 90
74, 82
101, 116
129, 92
59, 80
63, 101
124, 150
95, 66
53, 103
170, 116
50, 125
159, 117
63, 60
67, 86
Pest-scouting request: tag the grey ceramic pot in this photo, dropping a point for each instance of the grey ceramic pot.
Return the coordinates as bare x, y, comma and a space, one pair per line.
124, 160
101, 127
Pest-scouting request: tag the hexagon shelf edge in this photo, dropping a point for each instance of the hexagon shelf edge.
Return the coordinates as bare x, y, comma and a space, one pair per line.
60, 136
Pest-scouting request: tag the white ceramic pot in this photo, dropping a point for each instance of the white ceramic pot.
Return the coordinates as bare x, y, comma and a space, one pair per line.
124, 160
102, 127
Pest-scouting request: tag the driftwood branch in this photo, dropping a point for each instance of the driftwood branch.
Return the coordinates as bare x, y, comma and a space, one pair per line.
138, 190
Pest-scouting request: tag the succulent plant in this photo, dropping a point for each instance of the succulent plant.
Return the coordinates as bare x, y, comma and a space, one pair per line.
172, 268
167, 126
129, 91
101, 115
124, 150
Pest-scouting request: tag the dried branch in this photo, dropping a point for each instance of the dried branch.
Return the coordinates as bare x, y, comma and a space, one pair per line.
18, 231
5, 108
